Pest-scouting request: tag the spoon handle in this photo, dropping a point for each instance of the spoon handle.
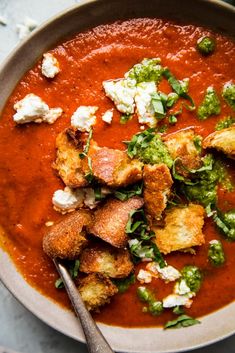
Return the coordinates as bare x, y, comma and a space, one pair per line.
96, 343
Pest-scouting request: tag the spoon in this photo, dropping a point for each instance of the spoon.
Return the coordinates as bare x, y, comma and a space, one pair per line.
96, 343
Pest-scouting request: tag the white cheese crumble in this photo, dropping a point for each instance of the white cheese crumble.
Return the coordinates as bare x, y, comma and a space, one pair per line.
50, 65
3, 21
108, 116
122, 93
176, 300
67, 200
181, 288
33, 109
25, 28
144, 276
84, 118
144, 108
167, 273
214, 241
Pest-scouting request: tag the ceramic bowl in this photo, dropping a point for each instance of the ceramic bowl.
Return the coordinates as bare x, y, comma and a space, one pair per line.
87, 14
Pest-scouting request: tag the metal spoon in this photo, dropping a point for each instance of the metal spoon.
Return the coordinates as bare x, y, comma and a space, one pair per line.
96, 343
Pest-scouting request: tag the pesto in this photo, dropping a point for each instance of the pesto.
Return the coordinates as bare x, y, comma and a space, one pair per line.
206, 45
216, 253
149, 148
155, 307
124, 283
210, 104
228, 94
193, 277
145, 71
226, 223
225, 123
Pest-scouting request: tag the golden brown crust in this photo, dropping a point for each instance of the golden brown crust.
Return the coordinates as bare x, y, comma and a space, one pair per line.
67, 238
103, 258
223, 140
183, 229
114, 168
181, 145
157, 185
70, 167
110, 220
96, 290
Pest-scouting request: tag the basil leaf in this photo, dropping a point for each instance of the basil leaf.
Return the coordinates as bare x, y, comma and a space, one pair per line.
226, 223
181, 321
124, 194
158, 106
73, 268
87, 145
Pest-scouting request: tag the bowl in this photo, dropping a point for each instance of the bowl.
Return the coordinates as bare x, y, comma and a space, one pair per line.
87, 14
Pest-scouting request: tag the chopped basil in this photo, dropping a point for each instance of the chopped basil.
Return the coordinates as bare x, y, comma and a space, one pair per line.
145, 71
73, 268
172, 119
87, 146
206, 45
181, 321
210, 104
178, 310
198, 143
226, 223
172, 98
89, 176
216, 253
149, 148
225, 123
124, 283
137, 225
124, 194
158, 106
125, 118
99, 195
162, 128
228, 94
179, 87
155, 307
193, 277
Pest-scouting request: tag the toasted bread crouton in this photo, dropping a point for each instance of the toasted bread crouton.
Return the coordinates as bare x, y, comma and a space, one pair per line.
181, 145
66, 239
114, 168
96, 290
70, 167
106, 259
157, 185
183, 229
110, 220
223, 140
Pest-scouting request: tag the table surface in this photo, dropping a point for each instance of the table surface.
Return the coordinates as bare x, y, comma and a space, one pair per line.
20, 330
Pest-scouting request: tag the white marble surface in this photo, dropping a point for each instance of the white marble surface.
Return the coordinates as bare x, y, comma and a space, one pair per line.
19, 329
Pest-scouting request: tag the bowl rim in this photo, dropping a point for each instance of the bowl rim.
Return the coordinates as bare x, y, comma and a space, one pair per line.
16, 290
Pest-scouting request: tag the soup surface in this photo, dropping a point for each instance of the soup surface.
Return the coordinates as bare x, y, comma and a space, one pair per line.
27, 151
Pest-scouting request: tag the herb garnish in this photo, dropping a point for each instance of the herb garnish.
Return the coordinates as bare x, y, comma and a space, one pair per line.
124, 194
228, 94
73, 268
225, 222
124, 283
216, 253
83, 154
181, 321
206, 45
145, 71
210, 104
155, 307
225, 123
193, 277
125, 118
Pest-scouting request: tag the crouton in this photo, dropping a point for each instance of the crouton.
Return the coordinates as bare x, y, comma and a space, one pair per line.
70, 167
103, 258
223, 140
157, 184
181, 145
67, 238
114, 168
96, 290
110, 220
183, 229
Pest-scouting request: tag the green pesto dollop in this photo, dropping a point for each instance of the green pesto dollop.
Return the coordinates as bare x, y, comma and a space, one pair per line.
156, 152
210, 104
225, 123
193, 277
226, 223
206, 45
155, 306
216, 253
145, 71
228, 94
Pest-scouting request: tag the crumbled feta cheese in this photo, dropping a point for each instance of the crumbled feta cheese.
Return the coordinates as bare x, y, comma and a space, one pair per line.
176, 300
108, 116
144, 108
33, 109
84, 118
52, 115
25, 28
3, 21
68, 200
214, 241
122, 93
144, 276
50, 65
181, 288
167, 273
